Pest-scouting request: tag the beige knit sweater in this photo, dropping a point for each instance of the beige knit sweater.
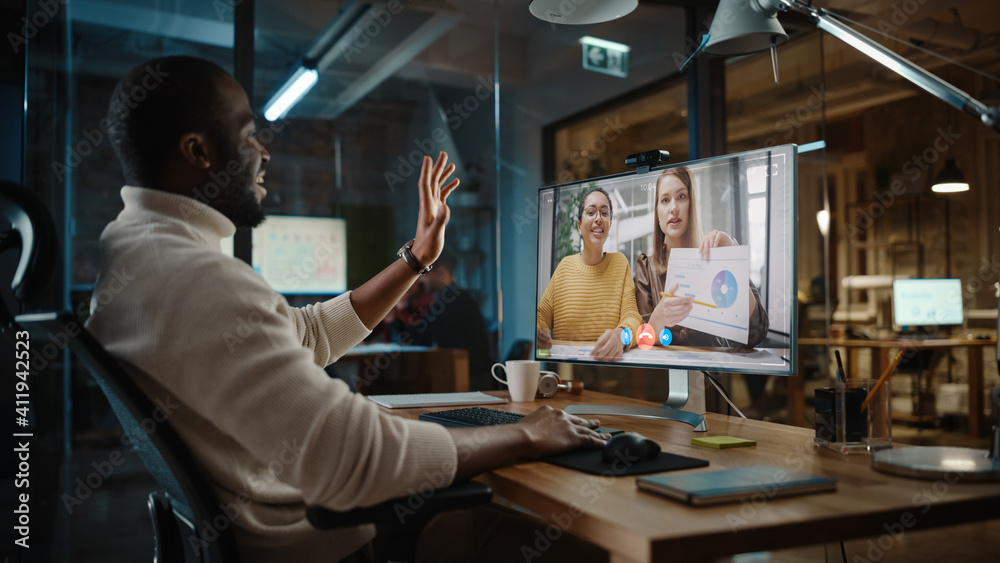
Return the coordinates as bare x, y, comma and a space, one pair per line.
240, 371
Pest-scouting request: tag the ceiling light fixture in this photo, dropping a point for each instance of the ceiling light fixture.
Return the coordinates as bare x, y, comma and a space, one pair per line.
581, 12
288, 95
950, 180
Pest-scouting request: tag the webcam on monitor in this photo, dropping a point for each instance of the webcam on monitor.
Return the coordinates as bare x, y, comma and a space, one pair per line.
648, 158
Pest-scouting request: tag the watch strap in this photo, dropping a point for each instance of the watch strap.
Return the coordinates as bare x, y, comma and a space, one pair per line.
407, 255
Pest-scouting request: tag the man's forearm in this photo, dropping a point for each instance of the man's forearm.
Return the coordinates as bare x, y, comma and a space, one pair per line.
373, 300
488, 447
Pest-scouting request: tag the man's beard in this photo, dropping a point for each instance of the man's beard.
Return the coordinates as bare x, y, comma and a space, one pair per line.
237, 200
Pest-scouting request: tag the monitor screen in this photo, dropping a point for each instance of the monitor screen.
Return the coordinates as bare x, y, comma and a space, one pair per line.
300, 255
688, 266
927, 302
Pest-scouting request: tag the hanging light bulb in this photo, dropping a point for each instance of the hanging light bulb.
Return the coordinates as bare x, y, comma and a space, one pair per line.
950, 179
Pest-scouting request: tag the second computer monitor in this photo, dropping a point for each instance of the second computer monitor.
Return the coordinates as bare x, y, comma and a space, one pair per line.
685, 266
927, 302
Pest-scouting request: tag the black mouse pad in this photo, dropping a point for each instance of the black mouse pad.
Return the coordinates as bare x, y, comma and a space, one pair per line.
589, 461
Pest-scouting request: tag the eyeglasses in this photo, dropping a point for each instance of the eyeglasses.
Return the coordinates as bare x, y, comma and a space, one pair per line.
591, 213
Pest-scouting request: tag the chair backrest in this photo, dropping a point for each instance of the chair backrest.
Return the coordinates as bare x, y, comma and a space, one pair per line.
209, 536
33, 231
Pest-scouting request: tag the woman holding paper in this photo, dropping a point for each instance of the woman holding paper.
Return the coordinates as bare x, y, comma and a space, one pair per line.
591, 296
675, 225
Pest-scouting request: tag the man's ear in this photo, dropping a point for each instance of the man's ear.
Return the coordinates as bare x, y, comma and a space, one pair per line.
196, 149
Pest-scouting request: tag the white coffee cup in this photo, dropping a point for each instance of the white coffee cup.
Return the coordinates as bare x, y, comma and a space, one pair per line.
522, 378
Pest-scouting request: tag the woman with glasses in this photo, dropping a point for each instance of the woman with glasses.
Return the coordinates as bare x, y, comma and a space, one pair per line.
591, 296
675, 225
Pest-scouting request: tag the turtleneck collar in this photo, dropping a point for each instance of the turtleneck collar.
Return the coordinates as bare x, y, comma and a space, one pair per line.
145, 204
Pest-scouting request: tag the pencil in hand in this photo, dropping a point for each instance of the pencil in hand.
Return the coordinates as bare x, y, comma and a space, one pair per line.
665, 294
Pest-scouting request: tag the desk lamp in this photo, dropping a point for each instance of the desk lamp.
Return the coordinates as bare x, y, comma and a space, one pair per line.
743, 27
751, 26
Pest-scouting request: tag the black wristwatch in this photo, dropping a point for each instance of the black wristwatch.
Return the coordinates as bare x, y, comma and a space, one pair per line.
407, 255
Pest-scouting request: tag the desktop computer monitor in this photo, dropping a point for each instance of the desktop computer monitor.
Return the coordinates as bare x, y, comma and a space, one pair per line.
927, 302
622, 281
300, 255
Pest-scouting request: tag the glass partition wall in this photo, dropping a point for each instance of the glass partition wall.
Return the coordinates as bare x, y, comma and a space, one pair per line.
396, 81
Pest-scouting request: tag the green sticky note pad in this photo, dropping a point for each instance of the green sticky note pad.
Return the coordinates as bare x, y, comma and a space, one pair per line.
723, 442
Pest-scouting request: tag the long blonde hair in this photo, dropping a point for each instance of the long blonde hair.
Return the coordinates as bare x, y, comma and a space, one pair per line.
692, 237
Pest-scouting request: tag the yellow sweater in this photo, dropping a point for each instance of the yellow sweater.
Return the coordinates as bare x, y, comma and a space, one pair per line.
581, 301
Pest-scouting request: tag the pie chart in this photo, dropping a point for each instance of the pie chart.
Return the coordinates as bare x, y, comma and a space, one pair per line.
724, 289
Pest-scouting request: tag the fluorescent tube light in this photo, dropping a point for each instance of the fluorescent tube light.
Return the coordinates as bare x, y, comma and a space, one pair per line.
294, 89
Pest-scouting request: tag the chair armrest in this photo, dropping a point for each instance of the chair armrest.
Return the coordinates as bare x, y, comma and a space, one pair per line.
395, 512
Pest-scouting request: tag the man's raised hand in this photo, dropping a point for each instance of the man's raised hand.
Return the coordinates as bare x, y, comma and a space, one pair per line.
434, 212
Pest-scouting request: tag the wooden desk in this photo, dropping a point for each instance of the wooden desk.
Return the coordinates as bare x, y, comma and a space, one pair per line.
639, 527
881, 359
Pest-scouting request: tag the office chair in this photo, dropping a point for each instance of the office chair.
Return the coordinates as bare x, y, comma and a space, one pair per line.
189, 521
398, 522
30, 227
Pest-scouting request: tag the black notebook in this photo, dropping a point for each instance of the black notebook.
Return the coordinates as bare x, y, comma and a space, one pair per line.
715, 487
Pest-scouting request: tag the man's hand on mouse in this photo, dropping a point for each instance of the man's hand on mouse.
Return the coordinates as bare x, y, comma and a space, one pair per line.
545, 432
553, 431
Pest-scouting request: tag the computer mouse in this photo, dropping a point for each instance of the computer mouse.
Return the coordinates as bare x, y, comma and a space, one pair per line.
630, 447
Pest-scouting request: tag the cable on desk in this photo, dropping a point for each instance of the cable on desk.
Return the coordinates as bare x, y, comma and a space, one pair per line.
722, 390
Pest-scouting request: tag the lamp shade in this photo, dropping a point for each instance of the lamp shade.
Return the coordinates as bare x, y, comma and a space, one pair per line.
950, 179
581, 12
741, 27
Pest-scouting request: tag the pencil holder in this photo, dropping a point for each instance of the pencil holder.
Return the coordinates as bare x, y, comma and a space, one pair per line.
854, 416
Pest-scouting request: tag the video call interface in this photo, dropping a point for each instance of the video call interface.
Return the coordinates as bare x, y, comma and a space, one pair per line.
688, 266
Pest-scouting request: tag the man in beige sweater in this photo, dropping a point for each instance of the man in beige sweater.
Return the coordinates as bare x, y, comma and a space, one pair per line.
243, 370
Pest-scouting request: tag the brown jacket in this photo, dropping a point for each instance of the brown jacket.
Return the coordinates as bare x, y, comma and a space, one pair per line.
649, 284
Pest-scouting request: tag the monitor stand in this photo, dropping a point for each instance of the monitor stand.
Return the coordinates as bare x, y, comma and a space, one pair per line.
670, 410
